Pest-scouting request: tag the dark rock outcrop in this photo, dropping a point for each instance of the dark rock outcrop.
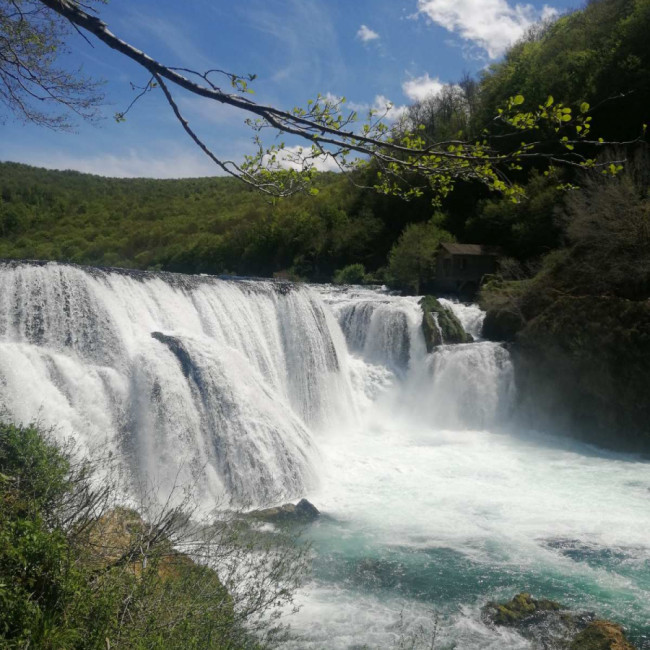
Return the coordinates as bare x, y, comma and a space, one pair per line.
447, 329
550, 626
582, 363
501, 325
302, 512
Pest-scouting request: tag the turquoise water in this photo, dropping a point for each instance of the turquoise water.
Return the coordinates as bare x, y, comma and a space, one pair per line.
422, 528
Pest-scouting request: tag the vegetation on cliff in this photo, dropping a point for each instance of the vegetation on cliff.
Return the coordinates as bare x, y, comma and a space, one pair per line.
79, 571
582, 323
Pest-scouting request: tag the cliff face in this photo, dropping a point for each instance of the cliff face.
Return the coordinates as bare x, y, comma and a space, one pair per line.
440, 325
583, 367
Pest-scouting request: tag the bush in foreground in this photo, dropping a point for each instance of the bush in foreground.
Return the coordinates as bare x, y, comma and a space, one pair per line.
78, 571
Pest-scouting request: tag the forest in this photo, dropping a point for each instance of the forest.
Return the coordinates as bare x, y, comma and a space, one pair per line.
214, 225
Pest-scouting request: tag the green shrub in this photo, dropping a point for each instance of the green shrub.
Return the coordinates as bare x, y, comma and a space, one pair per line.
79, 571
412, 260
351, 274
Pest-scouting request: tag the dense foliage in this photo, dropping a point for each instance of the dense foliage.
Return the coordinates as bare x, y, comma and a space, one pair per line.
210, 225
79, 571
219, 226
216, 225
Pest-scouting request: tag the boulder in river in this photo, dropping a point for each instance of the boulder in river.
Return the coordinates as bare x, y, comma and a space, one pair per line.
550, 626
302, 512
440, 325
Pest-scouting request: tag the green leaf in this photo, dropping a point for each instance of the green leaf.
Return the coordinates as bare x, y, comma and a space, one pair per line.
518, 99
584, 107
549, 101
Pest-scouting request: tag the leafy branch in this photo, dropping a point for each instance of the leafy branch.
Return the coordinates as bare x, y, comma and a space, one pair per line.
406, 163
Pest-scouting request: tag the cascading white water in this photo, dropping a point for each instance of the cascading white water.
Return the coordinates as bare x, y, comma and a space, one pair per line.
265, 391
190, 379
470, 316
224, 382
380, 328
468, 386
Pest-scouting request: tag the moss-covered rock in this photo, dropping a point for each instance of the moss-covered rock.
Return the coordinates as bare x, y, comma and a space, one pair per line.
302, 512
601, 635
440, 325
501, 325
521, 607
549, 625
502, 302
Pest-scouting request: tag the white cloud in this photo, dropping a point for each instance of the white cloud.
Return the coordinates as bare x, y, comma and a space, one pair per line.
292, 158
493, 25
366, 34
131, 164
392, 112
383, 108
420, 88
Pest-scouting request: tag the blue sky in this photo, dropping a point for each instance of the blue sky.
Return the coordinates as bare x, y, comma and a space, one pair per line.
370, 51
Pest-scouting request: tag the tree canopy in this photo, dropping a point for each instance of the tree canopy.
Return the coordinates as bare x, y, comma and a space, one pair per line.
409, 159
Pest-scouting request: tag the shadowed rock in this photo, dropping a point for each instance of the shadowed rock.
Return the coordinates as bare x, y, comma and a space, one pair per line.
550, 626
301, 512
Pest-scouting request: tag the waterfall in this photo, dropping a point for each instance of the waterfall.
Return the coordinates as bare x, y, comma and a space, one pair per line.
227, 384
255, 392
223, 384
469, 386
380, 328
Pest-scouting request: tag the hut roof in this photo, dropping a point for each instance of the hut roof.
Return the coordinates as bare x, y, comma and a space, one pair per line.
470, 249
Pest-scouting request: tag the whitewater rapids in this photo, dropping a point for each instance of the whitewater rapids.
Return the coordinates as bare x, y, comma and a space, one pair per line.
434, 502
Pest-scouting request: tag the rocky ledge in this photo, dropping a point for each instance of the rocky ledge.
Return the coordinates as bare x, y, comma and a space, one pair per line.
550, 626
440, 325
301, 512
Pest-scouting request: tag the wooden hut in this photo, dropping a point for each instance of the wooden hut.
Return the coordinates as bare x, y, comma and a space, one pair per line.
460, 268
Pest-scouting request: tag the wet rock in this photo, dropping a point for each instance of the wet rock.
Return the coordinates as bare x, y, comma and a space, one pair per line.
550, 626
440, 325
521, 608
302, 512
601, 635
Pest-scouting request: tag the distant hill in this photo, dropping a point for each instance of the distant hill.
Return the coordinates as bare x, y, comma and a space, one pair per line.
211, 225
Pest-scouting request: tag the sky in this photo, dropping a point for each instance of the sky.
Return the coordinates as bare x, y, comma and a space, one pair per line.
370, 51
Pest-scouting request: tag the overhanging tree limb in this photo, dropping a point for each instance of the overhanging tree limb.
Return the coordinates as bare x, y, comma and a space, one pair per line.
405, 160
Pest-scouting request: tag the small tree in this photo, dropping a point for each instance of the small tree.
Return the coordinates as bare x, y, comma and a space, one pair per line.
351, 274
412, 261
32, 85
